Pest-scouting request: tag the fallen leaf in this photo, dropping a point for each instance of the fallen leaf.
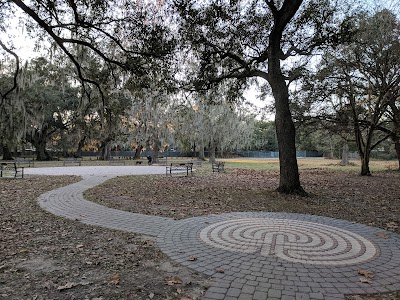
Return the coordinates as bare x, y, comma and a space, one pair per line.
172, 280
365, 280
192, 258
179, 291
79, 246
115, 279
151, 295
69, 285
392, 225
219, 270
366, 273
382, 235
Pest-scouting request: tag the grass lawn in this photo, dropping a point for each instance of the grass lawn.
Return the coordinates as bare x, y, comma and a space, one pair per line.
307, 163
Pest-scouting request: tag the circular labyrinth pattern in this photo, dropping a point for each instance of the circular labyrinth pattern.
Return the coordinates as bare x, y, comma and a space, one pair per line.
291, 240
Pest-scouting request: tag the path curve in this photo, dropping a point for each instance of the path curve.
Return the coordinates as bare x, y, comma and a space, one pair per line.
250, 255
68, 201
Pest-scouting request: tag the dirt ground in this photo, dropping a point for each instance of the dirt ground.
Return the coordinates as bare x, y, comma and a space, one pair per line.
47, 257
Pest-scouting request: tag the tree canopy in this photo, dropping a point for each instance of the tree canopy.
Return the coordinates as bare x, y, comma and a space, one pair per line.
129, 62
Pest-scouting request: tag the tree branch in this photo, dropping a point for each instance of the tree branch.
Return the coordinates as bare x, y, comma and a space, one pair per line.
59, 42
15, 83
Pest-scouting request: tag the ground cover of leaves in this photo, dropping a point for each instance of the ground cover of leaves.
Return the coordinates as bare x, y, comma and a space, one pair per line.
373, 201
48, 257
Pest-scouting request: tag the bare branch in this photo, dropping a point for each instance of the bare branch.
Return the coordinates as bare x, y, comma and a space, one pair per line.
15, 83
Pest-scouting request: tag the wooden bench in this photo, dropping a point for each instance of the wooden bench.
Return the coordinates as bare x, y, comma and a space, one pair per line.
179, 169
23, 161
11, 168
196, 162
72, 160
218, 166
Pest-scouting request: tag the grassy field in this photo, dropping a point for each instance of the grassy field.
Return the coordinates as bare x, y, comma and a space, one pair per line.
272, 164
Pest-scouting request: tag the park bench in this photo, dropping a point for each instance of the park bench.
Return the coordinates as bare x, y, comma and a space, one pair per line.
218, 166
24, 161
179, 169
72, 161
196, 162
11, 168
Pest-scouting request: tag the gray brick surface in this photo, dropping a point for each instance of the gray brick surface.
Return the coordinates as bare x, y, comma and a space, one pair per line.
247, 275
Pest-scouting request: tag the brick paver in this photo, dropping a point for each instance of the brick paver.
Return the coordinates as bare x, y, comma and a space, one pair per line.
250, 255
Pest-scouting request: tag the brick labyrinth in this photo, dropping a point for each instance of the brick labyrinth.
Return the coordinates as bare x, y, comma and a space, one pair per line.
261, 255
291, 240
250, 255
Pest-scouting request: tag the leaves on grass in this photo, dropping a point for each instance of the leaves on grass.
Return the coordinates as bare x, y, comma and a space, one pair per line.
392, 225
67, 286
115, 279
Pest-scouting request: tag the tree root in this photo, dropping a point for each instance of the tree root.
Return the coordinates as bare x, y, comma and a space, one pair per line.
298, 190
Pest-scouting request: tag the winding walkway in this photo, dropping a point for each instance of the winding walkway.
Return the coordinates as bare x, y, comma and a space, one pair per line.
250, 255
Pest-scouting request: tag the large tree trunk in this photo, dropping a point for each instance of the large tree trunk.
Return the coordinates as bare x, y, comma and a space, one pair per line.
365, 164
104, 150
39, 141
397, 147
156, 148
7, 155
211, 152
138, 150
363, 147
80, 146
41, 152
201, 151
289, 181
364, 150
345, 154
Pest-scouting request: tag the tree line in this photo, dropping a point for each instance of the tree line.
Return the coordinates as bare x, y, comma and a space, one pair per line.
328, 64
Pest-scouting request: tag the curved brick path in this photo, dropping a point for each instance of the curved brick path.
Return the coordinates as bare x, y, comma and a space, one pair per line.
68, 201
250, 255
